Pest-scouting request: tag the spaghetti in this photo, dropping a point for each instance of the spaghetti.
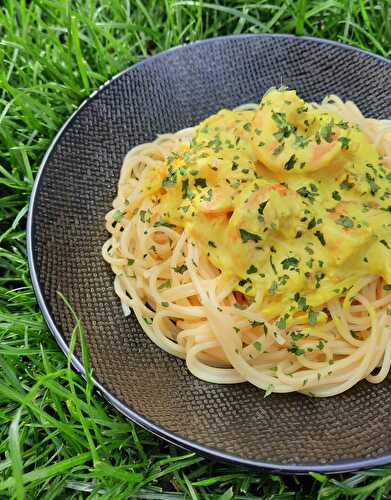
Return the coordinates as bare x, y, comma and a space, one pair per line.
231, 289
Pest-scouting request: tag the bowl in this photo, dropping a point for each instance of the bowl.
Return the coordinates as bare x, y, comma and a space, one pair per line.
74, 188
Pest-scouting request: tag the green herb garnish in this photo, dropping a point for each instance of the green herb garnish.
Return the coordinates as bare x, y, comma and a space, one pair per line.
290, 163
312, 317
247, 236
118, 215
344, 142
290, 263
345, 221
170, 180
165, 284
160, 223
180, 269
257, 345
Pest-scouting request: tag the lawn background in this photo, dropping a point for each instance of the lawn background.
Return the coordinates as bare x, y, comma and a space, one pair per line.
56, 440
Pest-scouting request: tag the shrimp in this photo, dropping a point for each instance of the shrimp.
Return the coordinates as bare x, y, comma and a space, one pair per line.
292, 137
343, 236
269, 207
215, 201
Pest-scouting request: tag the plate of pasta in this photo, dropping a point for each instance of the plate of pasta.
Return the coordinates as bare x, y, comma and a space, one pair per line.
219, 216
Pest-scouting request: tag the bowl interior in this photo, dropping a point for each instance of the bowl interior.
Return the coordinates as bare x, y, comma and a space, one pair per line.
174, 90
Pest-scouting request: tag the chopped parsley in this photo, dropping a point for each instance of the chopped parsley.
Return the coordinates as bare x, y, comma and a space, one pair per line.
296, 335
296, 350
180, 269
252, 269
283, 280
272, 264
284, 128
184, 208
320, 237
186, 193
208, 196
257, 345
269, 390
118, 215
160, 223
290, 163
320, 345
326, 131
212, 244
165, 284
281, 323
200, 182
255, 323
344, 142
300, 141
336, 195
306, 193
142, 215
343, 125
247, 236
247, 127
345, 184
345, 221
301, 301
261, 208
170, 180
372, 184
318, 279
312, 317
290, 263
131, 262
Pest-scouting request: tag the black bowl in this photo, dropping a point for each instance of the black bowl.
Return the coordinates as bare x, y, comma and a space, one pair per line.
74, 189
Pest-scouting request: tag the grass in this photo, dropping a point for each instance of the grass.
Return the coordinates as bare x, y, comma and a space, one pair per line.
57, 439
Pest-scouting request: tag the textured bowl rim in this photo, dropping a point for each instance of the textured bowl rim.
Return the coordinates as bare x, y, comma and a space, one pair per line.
188, 444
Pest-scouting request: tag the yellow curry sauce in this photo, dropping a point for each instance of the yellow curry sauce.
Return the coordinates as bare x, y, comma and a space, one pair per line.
290, 202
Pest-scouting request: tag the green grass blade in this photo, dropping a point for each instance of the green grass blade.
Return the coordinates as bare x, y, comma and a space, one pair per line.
47, 472
78, 53
16, 455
